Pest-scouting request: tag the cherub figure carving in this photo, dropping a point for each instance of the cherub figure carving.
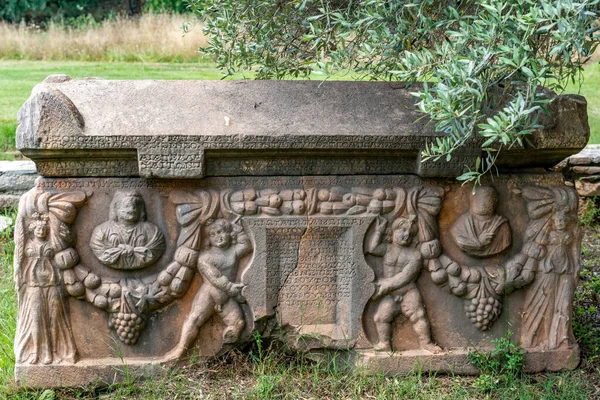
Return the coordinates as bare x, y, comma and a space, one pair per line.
480, 232
127, 241
219, 293
43, 329
397, 290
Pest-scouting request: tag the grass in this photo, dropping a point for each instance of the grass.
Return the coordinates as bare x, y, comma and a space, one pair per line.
17, 78
591, 90
8, 304
586, 307
283, 375
149, 38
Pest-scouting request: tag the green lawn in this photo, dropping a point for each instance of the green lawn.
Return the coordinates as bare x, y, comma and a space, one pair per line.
17, 78
591, 90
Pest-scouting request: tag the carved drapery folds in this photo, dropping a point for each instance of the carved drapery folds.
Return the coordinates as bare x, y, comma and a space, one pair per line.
548, 264
479, 233
548, 261
43, 253
127, 241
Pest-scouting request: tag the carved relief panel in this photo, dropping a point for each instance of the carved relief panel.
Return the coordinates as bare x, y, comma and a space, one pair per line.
381, 266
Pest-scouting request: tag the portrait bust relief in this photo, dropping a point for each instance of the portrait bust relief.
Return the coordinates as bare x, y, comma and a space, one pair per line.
127, 240
480, 232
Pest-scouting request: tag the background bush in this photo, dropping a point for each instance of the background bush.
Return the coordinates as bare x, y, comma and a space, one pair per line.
42, 11
161, 6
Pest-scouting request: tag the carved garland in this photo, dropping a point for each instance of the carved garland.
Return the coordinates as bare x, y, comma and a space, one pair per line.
130, 301
482, 290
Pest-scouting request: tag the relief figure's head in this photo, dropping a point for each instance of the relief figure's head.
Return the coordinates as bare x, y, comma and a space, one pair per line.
560, 220
403, 230
127, 207
219, 233
39, 228
484, 201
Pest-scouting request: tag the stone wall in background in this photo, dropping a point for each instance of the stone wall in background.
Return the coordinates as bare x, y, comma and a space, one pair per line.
16, 178
582, 170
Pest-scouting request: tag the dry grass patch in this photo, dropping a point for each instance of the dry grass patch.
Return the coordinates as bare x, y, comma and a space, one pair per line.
150, 38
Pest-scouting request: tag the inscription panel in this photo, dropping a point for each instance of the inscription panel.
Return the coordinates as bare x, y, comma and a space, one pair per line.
88, 168
179, 165
313, 275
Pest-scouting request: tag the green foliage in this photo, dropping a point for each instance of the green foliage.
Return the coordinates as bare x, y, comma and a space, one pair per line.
79, 12
42, 10
586, 307
481, 62
503, 365
589, 213
162, 6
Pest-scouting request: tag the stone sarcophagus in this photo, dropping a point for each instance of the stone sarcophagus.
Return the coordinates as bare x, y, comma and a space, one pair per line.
179, 218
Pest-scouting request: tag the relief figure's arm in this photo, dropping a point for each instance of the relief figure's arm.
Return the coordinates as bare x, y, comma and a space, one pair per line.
19, 259
409, 274
151, 251
243, 246
520, 271
374, 244
213, 275
518, 279
102, 248
375, 247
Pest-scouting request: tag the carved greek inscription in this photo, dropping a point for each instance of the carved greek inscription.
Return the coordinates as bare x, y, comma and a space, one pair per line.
319, 288
312, 276
235, 182
88, 168
309, 165
173, 143
283, 245
170, 161
93, 184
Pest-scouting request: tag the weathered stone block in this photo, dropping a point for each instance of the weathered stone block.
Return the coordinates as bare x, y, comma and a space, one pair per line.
222, 209
16, 178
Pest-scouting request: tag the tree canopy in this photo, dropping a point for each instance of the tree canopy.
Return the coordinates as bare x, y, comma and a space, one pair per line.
482, 62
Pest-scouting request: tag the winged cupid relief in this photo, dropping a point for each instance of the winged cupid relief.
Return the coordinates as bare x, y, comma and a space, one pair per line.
43, 239
219, 244
412, 231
